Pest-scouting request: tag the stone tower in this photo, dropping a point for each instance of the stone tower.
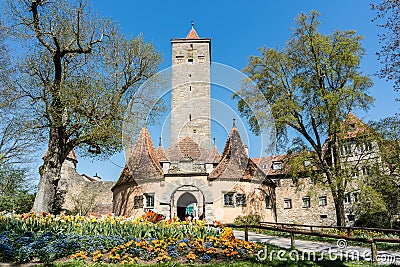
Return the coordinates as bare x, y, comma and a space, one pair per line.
190, 102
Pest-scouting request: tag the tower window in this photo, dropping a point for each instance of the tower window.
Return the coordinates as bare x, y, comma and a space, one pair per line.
194, 131
191, 46
190, 75
190, 88
190, 60
179, 59
190, 117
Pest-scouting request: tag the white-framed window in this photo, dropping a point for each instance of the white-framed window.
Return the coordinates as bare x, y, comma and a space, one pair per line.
277, 165
347, 198
149, 200
306, 202
138, 202
229, 200
287, 203
322, 201
241, 200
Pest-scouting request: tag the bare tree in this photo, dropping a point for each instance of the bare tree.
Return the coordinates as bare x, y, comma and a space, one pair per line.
78, 75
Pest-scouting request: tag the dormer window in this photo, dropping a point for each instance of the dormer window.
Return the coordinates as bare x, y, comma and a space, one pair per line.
277, 165
264, 166
308, 162
352, 127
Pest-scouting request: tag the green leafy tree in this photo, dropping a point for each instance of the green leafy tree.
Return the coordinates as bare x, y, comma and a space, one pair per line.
77, 76
310, 86
15, 188
381, 188
388, 19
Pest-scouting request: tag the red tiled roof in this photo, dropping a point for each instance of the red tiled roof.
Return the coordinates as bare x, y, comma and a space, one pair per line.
354, 127
214, 157
235, 163
192, 34
143, 163
186, 147
268, 161
161, 155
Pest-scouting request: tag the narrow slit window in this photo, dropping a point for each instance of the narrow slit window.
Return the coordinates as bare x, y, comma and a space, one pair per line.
190, 88
190, 117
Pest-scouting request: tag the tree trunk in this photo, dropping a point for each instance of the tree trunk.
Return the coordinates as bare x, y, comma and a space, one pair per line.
47, 188
50, 173
340, 213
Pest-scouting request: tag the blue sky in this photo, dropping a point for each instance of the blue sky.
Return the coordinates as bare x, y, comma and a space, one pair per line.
237, 29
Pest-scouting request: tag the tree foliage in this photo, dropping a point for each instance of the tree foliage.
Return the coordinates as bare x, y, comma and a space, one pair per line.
77, 74
381, 188
15, 189
388, 19
310, 86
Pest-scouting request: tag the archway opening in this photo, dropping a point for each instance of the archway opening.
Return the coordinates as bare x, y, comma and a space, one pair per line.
187, 206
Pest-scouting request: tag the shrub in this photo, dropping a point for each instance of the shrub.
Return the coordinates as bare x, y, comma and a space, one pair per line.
250, 219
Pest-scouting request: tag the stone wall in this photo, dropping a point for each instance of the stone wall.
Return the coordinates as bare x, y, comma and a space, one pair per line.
317, 213
89, 196
190, 99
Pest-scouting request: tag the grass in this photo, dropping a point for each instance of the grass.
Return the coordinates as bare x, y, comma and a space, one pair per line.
244, 263
380, 245
253, 262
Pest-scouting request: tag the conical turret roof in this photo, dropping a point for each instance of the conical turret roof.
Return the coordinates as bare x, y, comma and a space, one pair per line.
143, 163
235, 163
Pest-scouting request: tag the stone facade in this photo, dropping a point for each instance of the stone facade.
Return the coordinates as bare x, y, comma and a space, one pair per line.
221, 190
190, 100
81, 193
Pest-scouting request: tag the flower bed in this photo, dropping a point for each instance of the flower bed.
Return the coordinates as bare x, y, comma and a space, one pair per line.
112, 239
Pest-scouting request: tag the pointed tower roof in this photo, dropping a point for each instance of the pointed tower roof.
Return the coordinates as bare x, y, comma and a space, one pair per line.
214, 156
143, 163
236, 164
192, 33
161, 155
